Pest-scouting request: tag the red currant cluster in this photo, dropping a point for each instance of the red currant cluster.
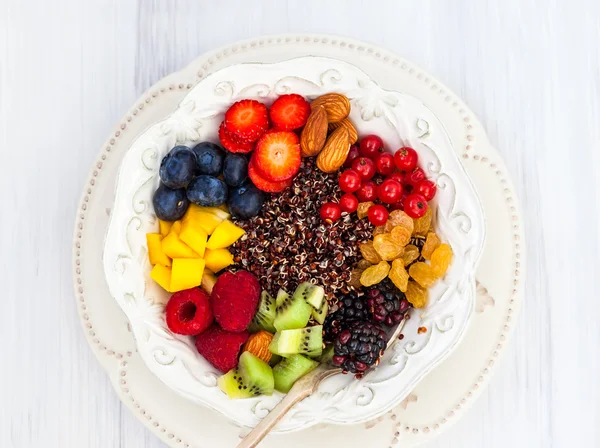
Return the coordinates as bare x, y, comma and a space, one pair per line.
374, 175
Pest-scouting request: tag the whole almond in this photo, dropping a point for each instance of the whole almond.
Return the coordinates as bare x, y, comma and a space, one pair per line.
346, 123
314, 134
335, 151
336, 105
258, 345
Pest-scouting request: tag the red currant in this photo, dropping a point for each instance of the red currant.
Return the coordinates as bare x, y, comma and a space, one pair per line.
350, 181
370, 146
415, 205
330, 212
385, 163
397, 176
348, 203
415, 176
353, 154
389, 191
406, 158
378, 215
367, 192
365, 167
426, 188
397, 205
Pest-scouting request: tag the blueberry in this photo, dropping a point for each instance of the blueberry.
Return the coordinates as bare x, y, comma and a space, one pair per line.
235, 169
178, 167
207, 191
169, 204
245, 201
209, 158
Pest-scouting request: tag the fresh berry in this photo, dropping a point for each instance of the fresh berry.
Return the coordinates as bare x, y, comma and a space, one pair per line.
263, 183
426, 188
234, 300
378, 215
235, 169
385, 163
371, 146
189, 312
330, 212
350, 181
207, 191
169, 204
247, 120
351, 308
289, 112
389, 191
397, 205
365, 167
209, 158
406, 158
178, 167
367, 192
415, 176
353, 154
397, 176
415, 205
232, 145
278, 155
221, 348
387, 304
245, 201
348, 203
359, 347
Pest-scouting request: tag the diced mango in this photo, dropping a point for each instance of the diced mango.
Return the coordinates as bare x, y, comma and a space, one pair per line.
225, 235
217, 259
207, 218
187, 273
162, 275
155, 252
165, 227
208, 281
175, 248
194, 236
176, 227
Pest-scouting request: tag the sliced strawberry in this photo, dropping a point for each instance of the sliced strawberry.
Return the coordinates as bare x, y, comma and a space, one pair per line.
264, 184
232, 145
289, 112
278, 155
247, 120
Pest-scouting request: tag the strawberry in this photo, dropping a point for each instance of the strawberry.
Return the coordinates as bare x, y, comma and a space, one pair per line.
264, 184
234, 300
189, 312
289, 112
247, 120
278, 155
233, 145
221, 348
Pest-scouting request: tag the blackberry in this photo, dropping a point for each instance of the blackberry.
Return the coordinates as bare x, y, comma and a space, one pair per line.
387, 304
359, 347
352, 308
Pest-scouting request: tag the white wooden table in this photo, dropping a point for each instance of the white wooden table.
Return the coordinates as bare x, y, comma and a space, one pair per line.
530, 69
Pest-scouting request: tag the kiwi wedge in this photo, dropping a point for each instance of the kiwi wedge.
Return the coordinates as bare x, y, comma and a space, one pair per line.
304, 341
320, 314
292, 312
281, 296
288, 371
265, 314
253, 377
231, 383
312, 294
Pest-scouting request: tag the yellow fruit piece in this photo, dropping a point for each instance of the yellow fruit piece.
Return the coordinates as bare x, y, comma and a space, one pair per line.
225, 235
187, 273
375, 274
207, 218
364, 264
194, 236
401, 235
423, 274
422, 224
399, 218
175, 248
441, 259
162, 275
258, 345
369, 253
398, 275
432, 242
176, 227
387, 248
416, 295
165, 227
208, 280
411, 253
363, 209
155, 252
217, 259
380, 230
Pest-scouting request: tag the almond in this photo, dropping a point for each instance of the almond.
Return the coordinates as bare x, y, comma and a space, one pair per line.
346, 123
336, 105
258, 345
314, 134
335, 151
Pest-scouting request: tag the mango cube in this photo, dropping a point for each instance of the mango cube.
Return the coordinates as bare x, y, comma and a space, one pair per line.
217, 259
194, 236
165, 227
173, 247
162, 275
225, 235
176, 227
155, 252
187, 273
208, 281
207, 218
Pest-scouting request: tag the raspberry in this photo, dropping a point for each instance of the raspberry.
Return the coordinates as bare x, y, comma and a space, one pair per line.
221, 348
234, 300
189, 312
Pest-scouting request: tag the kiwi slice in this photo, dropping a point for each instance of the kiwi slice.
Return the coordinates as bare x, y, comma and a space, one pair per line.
265, 315
327, 355
292, 312
305, 341
256, 374
320, 314
281, 296
312, 294
231, 383
288, 371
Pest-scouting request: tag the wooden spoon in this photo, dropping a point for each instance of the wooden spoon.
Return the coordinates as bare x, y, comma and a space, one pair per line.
303, 388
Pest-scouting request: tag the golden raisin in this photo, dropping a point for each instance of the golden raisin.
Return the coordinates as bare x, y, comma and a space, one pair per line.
355, 278
258, 345
364, 264
416, 295
422, 224
441, 259
387, 248
379, 230
398, 275
423, 274
399, 218
369, 253
401, 235
411, 253
432, 242
375, 274
363, 209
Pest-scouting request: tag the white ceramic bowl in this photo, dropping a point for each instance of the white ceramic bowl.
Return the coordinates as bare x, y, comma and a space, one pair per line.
401, 120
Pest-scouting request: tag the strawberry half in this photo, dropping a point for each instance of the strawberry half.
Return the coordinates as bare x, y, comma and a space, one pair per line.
231, 144
247, 120
278, 155
289, 112
265, 184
